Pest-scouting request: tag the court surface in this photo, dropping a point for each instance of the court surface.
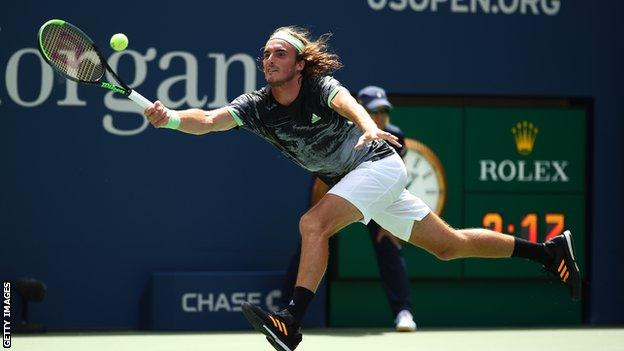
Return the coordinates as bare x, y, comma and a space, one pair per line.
585, 339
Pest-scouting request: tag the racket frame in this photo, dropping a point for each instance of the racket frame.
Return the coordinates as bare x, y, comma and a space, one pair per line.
121, 88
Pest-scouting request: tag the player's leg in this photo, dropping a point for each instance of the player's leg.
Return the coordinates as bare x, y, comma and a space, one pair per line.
372, 184
393, 273
410, 219
556, 255
434, 235
316, 226
281, 328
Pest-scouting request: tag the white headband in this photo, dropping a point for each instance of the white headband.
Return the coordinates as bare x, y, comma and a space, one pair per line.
289, 38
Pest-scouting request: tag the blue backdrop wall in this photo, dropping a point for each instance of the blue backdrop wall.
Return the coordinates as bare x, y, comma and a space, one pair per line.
93, 200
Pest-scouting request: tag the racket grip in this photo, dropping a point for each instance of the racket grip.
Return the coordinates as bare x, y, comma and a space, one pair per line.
139, 99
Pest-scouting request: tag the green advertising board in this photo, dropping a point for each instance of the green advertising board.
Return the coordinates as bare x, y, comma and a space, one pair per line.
517, 170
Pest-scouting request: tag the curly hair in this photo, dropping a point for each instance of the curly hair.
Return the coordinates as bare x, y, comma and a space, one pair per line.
318, 59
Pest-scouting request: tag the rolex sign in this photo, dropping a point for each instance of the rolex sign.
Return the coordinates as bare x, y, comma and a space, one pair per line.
524, 150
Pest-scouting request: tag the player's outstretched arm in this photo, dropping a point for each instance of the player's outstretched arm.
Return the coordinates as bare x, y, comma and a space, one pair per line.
192, 121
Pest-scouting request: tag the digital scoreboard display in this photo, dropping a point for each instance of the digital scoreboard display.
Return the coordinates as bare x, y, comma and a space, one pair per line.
516, 170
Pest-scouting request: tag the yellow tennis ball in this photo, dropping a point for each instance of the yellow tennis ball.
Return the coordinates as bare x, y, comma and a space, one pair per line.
119, 42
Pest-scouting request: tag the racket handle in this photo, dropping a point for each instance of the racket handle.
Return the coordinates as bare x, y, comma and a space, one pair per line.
139, 99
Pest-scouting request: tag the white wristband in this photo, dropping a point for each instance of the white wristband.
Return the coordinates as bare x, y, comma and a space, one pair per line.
173, 121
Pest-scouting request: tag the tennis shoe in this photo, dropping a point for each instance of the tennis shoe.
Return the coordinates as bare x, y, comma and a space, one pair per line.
404, 322
278, 327
564, 264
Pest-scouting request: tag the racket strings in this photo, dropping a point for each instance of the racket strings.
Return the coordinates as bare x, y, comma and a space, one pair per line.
71, 53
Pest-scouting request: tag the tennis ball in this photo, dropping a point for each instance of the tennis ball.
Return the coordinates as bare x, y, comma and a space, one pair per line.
119, 42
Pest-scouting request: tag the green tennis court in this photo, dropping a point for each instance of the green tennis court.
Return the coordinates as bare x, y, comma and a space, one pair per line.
338, 339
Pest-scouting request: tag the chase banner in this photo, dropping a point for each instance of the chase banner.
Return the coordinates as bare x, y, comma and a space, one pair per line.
212, 300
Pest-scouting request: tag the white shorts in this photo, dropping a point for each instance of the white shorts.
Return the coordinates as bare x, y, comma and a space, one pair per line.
377, 189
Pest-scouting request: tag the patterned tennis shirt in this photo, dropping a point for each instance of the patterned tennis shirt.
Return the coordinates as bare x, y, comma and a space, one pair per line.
308, 131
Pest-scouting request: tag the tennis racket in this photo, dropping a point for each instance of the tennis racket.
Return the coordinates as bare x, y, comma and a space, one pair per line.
74, 55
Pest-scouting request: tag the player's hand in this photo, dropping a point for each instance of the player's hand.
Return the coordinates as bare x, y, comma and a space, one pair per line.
377, 134
157, 114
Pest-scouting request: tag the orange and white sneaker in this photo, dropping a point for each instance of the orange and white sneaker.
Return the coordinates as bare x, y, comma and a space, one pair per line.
564, 264
278, 327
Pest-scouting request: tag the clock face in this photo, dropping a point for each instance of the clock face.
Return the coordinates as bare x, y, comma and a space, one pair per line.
425, 175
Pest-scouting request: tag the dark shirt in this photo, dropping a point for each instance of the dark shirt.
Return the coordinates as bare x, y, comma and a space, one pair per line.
396, 131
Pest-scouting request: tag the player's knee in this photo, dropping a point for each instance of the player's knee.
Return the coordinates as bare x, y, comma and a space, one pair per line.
311, 227
452, 249
446, 254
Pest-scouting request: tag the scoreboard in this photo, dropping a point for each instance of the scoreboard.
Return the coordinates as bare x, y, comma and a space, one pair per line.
520, 170
525, 175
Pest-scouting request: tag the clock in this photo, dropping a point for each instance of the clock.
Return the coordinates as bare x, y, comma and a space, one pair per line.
425, 175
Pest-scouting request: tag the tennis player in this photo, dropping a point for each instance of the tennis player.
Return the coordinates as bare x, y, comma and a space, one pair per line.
314, 121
